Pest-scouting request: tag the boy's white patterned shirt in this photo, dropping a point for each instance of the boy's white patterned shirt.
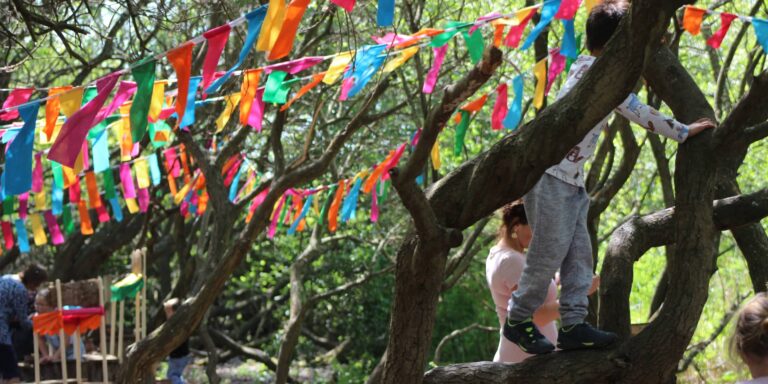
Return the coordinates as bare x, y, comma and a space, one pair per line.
571, 168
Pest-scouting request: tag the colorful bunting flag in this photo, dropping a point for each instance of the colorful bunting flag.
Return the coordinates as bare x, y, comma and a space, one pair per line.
500, 108
515, 33
144, 75
761, 30
316, 79
540, 72
368, 60
17, 97
555, 68
17, 177
692, 18
337, 67
217, 40
248, 92
273, 23
275, 91
68, 143
725, 23
567, 10
348, 5
437, 62
181, 60
284, 43
52, 107
548, 11
255, 20
189, 113
230, 102
385, 13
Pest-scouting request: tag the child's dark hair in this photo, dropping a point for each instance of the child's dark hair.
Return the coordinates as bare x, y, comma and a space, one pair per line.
34, 275
603, 21
512, 214
750, 337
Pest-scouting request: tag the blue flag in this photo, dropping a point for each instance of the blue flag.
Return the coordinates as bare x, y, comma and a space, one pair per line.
368, 59
385, 15
255, 19
548, 11
304, 211
236, 183
570, 48
349, 205
21, 234
154, 169
17, 177
57, 199
189, 111
761, 30
116, 210
515, 114
100, 152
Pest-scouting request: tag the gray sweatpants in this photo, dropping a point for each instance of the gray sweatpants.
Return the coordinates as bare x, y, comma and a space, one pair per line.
557, 214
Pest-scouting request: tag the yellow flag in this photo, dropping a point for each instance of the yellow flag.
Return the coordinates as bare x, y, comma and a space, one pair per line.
591, 3
126, 140
540, 71
337, 67
231, 102
273, 23
132, 206
156, 104
181, 194
69, 102
436, 155
41, 203
37, 229
69, 176
400, 59
142, 173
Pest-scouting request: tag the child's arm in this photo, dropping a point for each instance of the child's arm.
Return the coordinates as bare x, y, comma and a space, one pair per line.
649, 118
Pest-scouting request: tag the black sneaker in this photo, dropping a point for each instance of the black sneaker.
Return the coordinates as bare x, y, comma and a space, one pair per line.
584, 336
526, 336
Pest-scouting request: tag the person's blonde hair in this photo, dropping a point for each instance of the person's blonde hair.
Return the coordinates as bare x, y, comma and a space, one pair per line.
750, 336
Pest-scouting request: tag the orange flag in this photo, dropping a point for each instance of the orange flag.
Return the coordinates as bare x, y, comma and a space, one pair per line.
248, 92
476, 104
85, 219
692, 19
52, 110
498, 34
316, 79
284, 42
181, 60
371, 181
333, 213
93, 189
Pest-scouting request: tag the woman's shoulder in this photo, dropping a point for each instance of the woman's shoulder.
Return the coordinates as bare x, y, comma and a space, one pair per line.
503, 254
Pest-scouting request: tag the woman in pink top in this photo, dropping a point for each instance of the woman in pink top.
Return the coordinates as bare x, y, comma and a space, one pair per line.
503, 269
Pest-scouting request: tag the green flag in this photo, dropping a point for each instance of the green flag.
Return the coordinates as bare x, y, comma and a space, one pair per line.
144, 75
453, 27
461, 132
474, 43
276, 91
127, 288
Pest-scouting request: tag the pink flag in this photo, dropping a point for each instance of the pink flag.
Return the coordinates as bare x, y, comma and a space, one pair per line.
346, 85
68, 144
53, 228
257, 202
126, 180
217, 39
295, 66
74, 191
275, 218
391, 38
144, 199
124, 92
395, 159
346, 4
567, 9
102, 213
725, 23
37, 175
479, 22
256, 116
515, 33
431, 80
84, 151
23, 204
500, 108
172, 165
556, 66
18, 96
